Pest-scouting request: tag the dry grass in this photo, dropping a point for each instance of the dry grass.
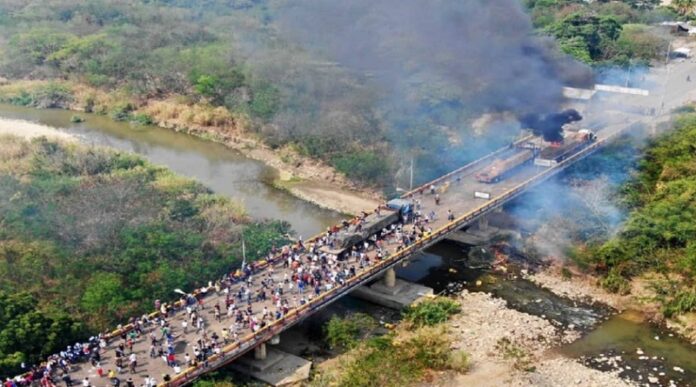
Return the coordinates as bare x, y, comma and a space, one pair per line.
197, 117
16, 88
13, 151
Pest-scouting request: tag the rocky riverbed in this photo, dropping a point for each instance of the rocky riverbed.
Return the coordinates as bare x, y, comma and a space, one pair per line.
511, 348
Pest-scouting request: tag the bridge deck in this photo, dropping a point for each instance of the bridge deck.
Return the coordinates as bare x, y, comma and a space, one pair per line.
456, 195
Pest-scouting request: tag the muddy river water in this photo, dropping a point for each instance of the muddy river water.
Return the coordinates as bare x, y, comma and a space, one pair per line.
641, 351
223, 170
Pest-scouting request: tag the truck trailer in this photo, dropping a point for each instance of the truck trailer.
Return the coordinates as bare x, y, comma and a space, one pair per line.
395, 211
572, 143
500, 168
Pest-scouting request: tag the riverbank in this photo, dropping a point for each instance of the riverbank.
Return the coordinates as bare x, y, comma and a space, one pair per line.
641, 297
28, 130
306, 178
505, 347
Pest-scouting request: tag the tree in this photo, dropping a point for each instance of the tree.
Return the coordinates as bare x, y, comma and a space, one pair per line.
598, 33
27, 334
103, 297
684, 7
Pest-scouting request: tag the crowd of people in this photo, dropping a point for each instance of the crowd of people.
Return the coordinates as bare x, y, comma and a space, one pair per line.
243, 302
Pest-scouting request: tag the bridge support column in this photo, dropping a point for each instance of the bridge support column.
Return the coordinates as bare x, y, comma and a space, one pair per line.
483, 223
260, 352
390, 278
275, 340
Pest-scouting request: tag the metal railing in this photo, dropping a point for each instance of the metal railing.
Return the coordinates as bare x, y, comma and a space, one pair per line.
466, 166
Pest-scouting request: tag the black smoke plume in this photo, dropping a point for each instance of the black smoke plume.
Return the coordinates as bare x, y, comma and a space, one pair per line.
432, 67
550, 126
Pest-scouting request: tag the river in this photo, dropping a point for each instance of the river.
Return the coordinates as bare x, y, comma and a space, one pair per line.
225, 171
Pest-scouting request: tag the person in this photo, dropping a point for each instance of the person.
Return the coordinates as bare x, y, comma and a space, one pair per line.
149, 382
85, 382
130, 383
67, 379
437, 199
450, 215
133, 363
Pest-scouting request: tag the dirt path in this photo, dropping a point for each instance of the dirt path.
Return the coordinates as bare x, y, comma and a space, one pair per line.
334, 198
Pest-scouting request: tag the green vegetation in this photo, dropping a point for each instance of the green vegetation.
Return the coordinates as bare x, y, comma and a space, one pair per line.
96, 236
660, 233
400, 357
521, 359
76, 119
386, 361
347, 332
431, 312
605, 32
28, 334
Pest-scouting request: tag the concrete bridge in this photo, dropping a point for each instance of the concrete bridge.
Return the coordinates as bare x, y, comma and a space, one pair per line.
457, 194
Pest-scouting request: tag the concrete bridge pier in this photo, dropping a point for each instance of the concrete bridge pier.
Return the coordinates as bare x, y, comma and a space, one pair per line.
390, 278
392, 292
482, 223
260, 352
273, 366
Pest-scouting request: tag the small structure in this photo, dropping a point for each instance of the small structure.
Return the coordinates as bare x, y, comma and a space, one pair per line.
681, 52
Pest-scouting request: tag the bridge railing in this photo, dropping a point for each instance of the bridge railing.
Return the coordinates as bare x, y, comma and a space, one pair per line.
459, 170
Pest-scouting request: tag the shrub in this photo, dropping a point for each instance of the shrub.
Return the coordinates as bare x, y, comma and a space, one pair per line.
683, 302
431, 312
615, 282
384, 361
142, 119
122, 111
362, 165
345, 332
76, 119
510, 350
566, 274
459, 361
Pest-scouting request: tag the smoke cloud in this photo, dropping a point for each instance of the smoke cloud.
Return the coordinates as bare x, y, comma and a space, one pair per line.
550, 126
434, 68
480, 55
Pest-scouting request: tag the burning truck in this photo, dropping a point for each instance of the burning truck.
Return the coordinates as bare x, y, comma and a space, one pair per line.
556, 146
559, 151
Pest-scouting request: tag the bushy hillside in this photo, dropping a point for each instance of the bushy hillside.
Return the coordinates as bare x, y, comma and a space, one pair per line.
659, 235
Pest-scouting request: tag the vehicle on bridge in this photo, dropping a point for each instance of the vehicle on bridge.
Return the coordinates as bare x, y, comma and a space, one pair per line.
500, 168
572, 143
396, 210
